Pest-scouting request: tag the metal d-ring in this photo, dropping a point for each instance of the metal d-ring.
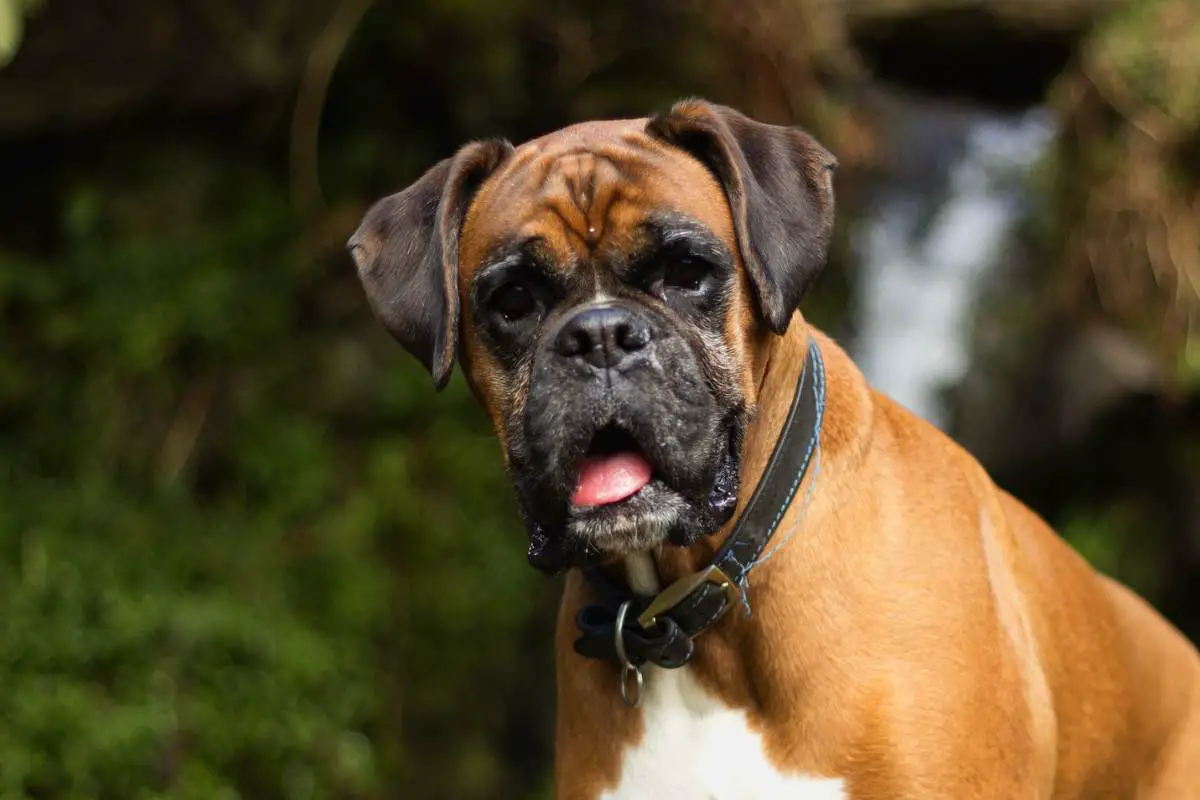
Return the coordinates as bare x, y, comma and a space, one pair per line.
627, 666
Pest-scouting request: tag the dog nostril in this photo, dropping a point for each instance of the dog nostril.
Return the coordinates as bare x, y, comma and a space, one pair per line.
632, 337
573, 341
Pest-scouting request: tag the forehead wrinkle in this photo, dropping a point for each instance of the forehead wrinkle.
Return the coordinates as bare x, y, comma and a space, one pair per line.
588, 185
570, 227
581, 182
632, 174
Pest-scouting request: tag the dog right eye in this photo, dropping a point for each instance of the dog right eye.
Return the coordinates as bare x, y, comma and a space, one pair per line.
685, 274
513, 302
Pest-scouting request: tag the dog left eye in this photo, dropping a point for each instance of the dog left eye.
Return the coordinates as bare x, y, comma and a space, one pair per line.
686, 274
514, 301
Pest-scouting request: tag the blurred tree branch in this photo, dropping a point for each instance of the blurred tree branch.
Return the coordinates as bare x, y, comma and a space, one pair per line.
310, 102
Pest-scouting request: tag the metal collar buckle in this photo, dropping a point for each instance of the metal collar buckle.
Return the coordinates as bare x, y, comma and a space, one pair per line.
678, 591
628, 668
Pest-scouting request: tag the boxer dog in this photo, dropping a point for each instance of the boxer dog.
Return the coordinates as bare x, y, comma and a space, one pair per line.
780, 584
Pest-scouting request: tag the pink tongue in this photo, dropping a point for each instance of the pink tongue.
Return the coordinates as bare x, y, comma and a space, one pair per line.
608, 479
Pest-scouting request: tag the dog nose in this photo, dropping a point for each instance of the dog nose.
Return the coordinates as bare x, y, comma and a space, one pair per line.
602, 336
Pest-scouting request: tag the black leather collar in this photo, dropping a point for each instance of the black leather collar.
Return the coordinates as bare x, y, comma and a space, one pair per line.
660, 630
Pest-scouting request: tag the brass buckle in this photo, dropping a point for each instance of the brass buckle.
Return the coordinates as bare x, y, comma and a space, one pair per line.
675, 594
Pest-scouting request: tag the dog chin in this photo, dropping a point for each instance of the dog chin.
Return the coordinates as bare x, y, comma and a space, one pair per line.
641, 522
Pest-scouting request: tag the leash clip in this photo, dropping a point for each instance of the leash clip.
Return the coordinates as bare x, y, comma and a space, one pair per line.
678, 591
627, 667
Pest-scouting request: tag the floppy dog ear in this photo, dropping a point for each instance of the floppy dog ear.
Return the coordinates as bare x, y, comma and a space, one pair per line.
779, 182
406, 249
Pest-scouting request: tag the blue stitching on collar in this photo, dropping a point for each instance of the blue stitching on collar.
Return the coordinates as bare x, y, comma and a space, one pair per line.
819, 392
819, 388
819, 395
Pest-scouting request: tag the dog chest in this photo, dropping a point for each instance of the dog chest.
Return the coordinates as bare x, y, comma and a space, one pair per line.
694, 746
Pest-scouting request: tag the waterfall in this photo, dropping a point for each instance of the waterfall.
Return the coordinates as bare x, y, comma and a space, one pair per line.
932, 234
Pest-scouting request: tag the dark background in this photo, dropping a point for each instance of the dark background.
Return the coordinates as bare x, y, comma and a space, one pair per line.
247, 551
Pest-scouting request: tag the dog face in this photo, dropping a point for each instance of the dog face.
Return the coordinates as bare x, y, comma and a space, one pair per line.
608, 287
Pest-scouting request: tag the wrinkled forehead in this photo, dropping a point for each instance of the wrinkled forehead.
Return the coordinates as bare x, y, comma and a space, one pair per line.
592, 186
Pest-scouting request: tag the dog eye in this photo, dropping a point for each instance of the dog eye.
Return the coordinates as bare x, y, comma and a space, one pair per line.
686, 274
514, 301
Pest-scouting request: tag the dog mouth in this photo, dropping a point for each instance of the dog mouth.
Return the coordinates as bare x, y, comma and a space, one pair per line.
624, 493
614, 468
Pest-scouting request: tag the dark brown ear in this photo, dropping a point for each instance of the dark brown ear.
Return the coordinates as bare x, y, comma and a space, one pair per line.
779, 182
406, 249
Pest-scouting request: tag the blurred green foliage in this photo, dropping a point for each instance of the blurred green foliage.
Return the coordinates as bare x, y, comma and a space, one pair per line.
1113, 539
230, 529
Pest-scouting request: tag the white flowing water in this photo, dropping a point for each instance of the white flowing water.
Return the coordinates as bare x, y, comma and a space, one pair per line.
929, 241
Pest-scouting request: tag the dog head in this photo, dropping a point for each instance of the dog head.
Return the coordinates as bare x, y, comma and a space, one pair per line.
606, 289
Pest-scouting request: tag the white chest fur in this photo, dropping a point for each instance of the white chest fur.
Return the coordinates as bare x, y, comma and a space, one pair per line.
696, 748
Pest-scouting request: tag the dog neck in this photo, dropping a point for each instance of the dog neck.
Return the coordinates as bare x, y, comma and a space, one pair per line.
641, 573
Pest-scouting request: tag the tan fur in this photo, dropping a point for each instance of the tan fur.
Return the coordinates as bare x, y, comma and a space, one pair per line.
923, 634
